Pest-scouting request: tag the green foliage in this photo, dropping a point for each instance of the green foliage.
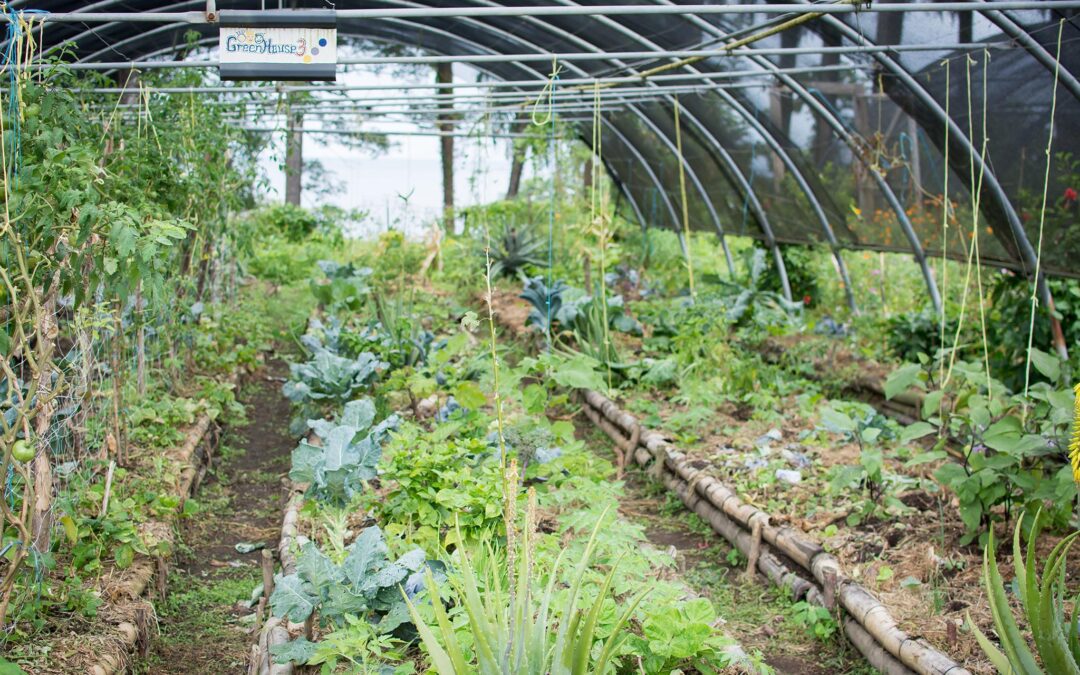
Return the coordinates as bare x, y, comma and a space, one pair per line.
749, 301
512, 622
862, 424
815, 619
437, 482
799, 263
288, 220
328, 377
1015, 447
514, 249
910, 334
1009, 318
337, 469
355, 643
1054, 633
363, 584
682, 637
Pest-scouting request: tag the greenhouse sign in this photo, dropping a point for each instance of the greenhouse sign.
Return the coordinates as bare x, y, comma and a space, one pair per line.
278, 45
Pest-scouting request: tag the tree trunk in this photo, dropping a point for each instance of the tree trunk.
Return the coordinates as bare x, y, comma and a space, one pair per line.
517, 165
294, 159
41, 520
444, 74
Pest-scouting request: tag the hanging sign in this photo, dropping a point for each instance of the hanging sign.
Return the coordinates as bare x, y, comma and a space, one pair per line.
295, 45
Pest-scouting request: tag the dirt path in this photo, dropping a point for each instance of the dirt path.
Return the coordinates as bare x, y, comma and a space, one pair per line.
755, 614
201, 622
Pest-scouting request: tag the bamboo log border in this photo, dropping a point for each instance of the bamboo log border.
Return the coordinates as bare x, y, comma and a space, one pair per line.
786, 557
194, 456
276, 631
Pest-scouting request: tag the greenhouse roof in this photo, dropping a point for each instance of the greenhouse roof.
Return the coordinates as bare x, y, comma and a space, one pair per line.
844, 126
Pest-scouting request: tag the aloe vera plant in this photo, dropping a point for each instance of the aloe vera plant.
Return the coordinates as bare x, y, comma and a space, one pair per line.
1054, 633
513, 628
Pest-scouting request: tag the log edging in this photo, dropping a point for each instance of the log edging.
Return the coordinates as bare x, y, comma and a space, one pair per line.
869, 625
194, 457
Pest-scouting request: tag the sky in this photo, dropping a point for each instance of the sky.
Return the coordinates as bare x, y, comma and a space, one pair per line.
403, 185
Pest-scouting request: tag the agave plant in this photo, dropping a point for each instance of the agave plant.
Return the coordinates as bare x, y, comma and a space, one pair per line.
513, 250
1055, 635
513, 628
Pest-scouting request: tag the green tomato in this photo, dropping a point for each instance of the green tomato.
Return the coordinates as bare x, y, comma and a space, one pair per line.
23, 451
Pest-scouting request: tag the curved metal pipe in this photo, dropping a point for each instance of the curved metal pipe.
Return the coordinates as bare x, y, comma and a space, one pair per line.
990, 181
733, 168
1017, 32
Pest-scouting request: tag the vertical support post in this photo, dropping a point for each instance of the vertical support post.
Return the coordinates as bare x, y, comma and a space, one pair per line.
294, 157
444, 74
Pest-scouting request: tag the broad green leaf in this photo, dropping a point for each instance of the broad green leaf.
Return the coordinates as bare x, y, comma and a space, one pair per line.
469, 395
124, 556
932, 402
316, 568
291, 598
359, 414
579, 372
915, 431
903, 378
366, 555
837, 422
298, 651
1047, 364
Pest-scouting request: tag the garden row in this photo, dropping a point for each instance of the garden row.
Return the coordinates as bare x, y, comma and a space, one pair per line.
743, 380
434, 524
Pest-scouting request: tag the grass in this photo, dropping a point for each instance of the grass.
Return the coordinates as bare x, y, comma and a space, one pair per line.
203, 610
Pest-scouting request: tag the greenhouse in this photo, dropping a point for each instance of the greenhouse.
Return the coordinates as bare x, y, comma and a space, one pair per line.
550, 337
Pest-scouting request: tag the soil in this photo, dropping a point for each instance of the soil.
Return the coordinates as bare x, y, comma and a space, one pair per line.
754, 614
204, 625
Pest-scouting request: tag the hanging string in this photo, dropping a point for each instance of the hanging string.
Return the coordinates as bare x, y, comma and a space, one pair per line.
598, 218
944, 233
1038, 246
554, 80
685, 205
975, 218
973, 260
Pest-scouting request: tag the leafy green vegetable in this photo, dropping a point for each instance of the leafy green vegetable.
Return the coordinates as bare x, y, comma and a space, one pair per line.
329, 377
336, 470
365, 584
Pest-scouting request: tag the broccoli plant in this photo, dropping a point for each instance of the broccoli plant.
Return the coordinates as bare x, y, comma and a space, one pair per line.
365, 584
327, 377
335, 471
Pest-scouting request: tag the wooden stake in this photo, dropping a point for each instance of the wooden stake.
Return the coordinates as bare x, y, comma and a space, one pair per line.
108, 490
268, 574
259, 611
162, 576
828, 591
755, 549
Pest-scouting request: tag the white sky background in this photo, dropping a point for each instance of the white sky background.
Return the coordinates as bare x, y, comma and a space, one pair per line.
377, 183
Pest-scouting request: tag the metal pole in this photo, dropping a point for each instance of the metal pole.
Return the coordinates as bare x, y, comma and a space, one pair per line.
562, 11
763, 219
89, 64
1017, 32
1027, 252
